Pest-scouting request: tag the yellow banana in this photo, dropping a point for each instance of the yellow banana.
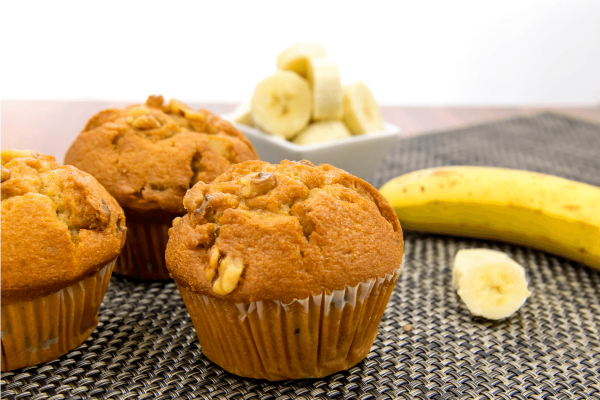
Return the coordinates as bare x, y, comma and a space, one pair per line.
553, 214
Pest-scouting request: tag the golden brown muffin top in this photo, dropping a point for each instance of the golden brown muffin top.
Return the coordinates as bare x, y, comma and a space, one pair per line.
281, 232
147, 156
59, 225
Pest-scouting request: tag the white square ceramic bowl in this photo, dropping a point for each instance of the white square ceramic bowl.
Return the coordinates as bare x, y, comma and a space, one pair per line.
359, 155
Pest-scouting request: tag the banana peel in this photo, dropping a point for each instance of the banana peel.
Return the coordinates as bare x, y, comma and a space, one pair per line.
549, 213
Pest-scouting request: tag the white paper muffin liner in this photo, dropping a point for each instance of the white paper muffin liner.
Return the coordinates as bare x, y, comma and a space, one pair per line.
305, 338
45, 328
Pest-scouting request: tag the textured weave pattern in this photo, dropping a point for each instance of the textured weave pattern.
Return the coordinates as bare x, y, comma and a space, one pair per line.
547, 143
145, 345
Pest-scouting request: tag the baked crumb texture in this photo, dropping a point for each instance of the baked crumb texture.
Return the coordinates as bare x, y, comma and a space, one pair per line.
59, 225
282, 232
148, 155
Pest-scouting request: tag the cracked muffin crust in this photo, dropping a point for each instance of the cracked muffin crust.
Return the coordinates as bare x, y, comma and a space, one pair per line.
282, 232
148, 155
285, 270
59, 225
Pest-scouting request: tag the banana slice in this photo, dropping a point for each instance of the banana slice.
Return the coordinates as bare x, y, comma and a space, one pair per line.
467, 258
491, 284
324, 78
361, 112
282, 104
243, 114
295, 57
323, 131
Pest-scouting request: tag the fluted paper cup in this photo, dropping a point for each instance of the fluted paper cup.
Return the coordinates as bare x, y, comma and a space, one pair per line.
45, 328
305, 338
143, 255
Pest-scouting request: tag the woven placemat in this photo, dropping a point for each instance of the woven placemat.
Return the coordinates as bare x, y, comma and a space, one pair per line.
428, 346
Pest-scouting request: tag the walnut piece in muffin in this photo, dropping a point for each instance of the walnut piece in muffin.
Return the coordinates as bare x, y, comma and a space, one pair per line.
148, 155
280, 232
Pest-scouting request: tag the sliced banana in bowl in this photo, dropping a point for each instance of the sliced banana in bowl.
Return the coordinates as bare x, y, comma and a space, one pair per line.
361, 112
303, 111
307, 89
281, 104
324, 78
323, 131
295, 57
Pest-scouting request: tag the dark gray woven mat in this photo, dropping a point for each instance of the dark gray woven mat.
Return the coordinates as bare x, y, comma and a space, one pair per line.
145, 345
548, 143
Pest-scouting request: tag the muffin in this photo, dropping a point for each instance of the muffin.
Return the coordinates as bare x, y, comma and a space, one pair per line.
285, 269
147, 157
61, 234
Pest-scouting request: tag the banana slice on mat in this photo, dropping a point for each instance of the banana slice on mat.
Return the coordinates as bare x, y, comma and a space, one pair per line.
324, 78
491, 284
323, 131
361, 112
243, 114
295, 57
282, 104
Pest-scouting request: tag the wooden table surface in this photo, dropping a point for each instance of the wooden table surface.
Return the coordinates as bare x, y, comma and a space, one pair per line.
50, 126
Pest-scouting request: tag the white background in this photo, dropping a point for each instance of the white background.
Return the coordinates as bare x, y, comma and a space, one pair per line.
408, 52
